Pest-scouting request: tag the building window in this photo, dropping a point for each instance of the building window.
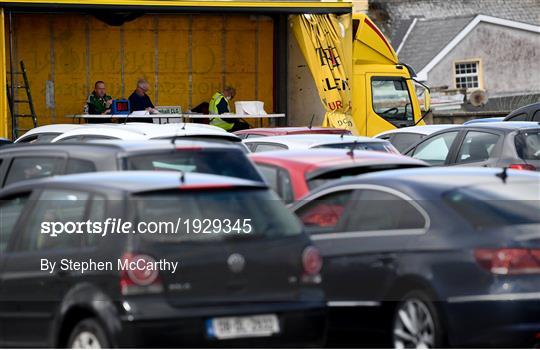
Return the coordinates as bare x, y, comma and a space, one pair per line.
467, 75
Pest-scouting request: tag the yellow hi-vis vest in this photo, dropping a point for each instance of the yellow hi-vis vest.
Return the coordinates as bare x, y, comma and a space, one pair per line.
212, 109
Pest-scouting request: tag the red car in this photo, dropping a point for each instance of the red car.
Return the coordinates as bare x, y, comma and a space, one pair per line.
290, 130
292, 174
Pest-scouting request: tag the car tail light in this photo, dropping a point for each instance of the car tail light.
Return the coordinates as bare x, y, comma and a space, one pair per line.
522, 167
138, 276
312, 263
509, 261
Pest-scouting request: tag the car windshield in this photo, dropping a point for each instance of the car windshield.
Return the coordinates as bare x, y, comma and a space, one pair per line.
216, 214
225, 162
528, 145
362, 146
497, 204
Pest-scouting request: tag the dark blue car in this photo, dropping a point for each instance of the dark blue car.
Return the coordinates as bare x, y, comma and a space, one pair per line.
431, 257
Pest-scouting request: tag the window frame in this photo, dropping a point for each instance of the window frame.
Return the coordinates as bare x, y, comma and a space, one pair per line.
58, 171
479, 73
279, 172
341, 232
392, 78
459, 145
452, 151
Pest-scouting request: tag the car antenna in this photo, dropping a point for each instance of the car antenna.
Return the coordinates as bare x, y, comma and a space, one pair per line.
311, 121
341, 136
503, 175
351, 151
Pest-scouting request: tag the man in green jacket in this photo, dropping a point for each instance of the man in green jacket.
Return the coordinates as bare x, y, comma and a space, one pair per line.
99, 102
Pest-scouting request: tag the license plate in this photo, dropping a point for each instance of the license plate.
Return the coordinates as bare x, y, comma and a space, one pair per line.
242, 327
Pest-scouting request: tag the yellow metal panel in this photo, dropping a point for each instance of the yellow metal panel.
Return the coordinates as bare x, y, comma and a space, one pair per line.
240, 50
4, 109
32, 43
70, 88
139, 54
266, 64
207, 56
173, 63
199, 3
104, 56
74, 51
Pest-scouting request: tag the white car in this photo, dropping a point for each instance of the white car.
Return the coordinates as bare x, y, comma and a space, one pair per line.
403, 138
46, 133
307, 141
100, 132
145, 131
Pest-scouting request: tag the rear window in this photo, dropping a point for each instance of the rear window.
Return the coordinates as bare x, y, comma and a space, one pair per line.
338, 174
403, 141
368, 146
216, 214
528, 145
497, 204
230, 162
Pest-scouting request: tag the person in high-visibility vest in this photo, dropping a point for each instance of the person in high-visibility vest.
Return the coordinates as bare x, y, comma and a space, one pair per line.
219, 104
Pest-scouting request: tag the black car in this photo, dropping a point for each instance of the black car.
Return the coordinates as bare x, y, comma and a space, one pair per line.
5, 142
515, 145
431, 257
29, 161
251, 279
526, 113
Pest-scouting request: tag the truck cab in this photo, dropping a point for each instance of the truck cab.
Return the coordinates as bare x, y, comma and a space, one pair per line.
385, 94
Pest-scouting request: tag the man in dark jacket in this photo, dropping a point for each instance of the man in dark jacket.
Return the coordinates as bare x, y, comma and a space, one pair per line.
140, 101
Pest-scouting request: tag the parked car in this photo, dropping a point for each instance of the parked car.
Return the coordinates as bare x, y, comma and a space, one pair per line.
18, 162
403, 138
46, 133
145, 132
515, 145
432, 257
4, 142
292, 174
302, 142
484, 120
256, 287
526, 113
289, 130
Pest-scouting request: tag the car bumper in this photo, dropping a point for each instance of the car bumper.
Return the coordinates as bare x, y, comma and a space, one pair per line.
494, 321
300, 325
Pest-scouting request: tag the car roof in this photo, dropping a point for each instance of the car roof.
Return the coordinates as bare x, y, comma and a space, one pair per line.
524, 109
484, 120
139, 181
312, 159
51, 128
418, 129
438, 179
503, 126
150, 145
102, 130
288, 130
312, 140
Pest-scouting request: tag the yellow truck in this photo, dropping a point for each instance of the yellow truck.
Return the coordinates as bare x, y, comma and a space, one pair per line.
385, 93
359, 79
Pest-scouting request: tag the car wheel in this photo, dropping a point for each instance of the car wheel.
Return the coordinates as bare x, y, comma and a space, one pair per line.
88, 334
416, 323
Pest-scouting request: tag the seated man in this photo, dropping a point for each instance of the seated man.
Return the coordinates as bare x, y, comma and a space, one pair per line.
219, 104
140, 101
99, 102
